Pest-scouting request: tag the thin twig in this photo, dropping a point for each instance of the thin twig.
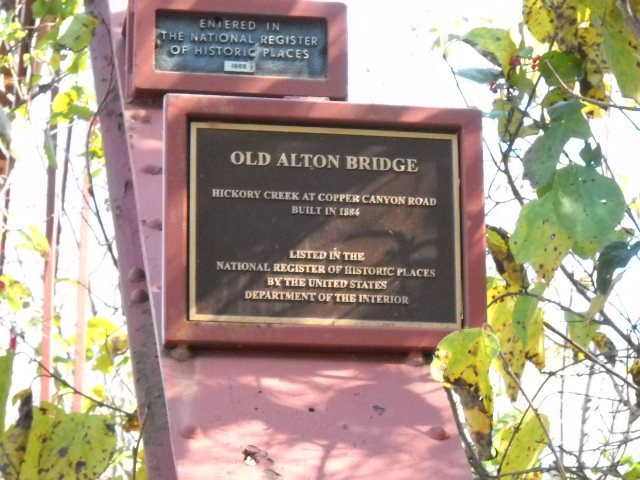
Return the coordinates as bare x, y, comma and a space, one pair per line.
593, 101
589, 355
88, 397
136, 447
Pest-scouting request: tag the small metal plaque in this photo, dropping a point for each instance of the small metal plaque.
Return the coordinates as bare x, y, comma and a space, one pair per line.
323, 226
236, 44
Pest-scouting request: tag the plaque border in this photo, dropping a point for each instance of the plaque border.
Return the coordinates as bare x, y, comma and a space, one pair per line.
194, 316
181, 110
143, 79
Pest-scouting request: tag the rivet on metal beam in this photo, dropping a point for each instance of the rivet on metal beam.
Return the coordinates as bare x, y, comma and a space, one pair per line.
154, 224
437, 433
151, 169
136, 274
416, 359
139, 295
140, 116
190, 431
181, 353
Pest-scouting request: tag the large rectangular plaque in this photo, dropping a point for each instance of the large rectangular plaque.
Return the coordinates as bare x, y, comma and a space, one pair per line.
247, 47
309, 225
317, 225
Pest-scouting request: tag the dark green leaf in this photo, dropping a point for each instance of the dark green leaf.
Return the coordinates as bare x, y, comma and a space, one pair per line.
592, 157
480, 75
615, 255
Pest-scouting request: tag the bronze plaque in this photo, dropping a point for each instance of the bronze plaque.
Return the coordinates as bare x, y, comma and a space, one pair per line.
270, 48
323, 226
235, 44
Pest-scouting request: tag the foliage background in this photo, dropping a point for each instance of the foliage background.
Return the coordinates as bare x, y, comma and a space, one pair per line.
525, 426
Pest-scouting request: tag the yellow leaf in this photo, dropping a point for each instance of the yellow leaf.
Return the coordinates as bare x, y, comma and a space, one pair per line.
68, 445
462, 360
565, 13
606, 347
500, 314
634, 370
43, 420
14, 440
580, 331
513, 272
479, 421
534, 351
519, 444
539, 18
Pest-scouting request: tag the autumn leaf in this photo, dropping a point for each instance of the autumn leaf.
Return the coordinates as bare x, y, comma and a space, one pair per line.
494, 44
520, 443
68, 445
14, 441
513, 272
606, 347
461, 362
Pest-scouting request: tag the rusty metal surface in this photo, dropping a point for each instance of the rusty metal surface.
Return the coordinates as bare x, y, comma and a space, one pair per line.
256, 415
134, 290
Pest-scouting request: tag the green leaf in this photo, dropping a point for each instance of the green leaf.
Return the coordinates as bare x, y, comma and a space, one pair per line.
480, 75
580, 331
50, 149
613, 256
568, 67
568, 116
73, 445
592, 157
589, 206
494, 44
520, 443
6, 371
76, 32
541, 159
525, 311
622, 54
539, 238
